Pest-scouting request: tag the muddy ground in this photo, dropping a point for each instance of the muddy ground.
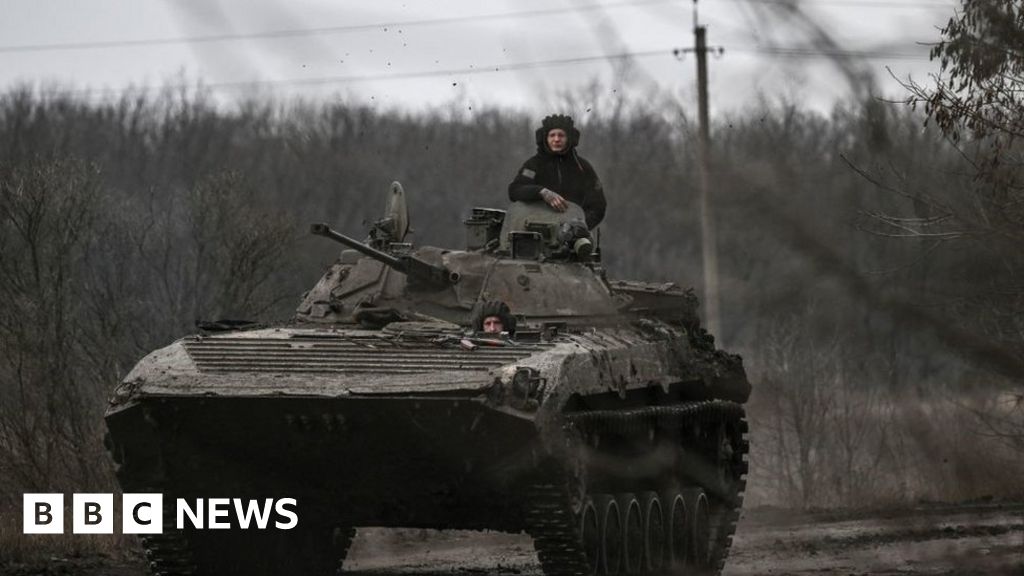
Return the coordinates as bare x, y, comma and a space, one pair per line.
984, 539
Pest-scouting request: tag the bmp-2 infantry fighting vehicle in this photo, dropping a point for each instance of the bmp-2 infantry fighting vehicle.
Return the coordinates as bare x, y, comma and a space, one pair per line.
607, 427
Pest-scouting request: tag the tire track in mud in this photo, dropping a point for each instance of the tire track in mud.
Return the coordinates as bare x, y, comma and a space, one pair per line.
932, 540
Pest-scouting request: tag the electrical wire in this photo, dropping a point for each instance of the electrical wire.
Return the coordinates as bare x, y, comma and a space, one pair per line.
790, 52
293, 33
298, 32
803, 52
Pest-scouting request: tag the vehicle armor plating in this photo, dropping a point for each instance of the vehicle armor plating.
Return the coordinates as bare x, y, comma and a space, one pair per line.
608, 427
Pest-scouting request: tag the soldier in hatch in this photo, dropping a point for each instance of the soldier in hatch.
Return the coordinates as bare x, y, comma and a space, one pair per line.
557, 174
495, 317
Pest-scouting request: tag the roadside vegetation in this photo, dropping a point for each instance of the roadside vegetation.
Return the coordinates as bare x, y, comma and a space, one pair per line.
871, 264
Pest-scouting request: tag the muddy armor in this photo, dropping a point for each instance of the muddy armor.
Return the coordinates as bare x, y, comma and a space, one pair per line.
610, 429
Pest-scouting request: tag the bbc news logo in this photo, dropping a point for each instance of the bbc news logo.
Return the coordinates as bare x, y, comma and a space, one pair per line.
144, 514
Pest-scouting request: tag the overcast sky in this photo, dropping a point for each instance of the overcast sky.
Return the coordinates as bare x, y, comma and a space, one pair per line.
521, 53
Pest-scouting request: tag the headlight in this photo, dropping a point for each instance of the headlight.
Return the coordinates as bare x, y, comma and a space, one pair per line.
521, 389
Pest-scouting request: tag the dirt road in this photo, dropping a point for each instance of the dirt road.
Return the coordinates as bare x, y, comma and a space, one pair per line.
983, 539
935, 540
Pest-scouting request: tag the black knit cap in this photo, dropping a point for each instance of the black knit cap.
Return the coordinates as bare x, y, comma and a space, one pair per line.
495, 308
563, 121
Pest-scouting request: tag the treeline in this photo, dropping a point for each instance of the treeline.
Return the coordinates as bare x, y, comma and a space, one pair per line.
879, 339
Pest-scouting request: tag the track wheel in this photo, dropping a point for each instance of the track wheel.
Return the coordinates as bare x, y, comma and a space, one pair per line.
700, 528
633, 534
654, 532
678, 532
610, 528
590, 532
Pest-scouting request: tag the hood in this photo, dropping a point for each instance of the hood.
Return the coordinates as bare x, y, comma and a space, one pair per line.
551, 122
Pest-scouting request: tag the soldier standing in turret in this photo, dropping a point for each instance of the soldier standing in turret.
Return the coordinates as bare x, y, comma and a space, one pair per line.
557, 174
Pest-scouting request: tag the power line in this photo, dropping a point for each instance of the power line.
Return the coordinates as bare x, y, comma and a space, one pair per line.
812, 52
857, 3
299, 32
402, 75
791, 52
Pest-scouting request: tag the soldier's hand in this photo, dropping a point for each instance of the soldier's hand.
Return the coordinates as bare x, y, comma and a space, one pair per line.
554, 199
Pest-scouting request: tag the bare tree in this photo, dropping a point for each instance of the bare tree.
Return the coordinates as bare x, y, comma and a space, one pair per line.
795, 399
48, 417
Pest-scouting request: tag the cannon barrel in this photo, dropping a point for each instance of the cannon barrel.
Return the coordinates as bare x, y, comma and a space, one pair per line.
325, 231
412, 266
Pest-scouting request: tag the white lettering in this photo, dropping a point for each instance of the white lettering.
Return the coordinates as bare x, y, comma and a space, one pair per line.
286, 513
219, 509
196, 517
245, 516
144, 513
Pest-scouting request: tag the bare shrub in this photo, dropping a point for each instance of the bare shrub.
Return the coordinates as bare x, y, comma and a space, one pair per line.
828, 430
793, 407
49, 414
89, 282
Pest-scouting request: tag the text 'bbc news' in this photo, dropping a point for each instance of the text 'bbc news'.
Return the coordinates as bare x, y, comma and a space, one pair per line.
144, 514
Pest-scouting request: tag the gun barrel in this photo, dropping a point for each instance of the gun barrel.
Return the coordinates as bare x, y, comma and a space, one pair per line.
325, 231
411, 265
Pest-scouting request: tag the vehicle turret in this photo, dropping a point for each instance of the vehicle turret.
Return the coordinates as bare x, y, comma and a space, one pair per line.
430, 275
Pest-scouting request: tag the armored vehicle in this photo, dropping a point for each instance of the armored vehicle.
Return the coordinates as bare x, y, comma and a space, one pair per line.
607, 426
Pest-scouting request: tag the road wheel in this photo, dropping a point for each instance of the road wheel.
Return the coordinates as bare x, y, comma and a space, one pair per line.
632, 534
590, 533
654, 532
610, 527
678, 532
700, 528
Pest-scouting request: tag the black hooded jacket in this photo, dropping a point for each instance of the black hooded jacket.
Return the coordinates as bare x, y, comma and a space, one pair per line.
566, 173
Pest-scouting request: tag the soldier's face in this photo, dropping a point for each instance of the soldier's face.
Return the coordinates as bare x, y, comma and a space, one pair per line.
557, 140
493, 325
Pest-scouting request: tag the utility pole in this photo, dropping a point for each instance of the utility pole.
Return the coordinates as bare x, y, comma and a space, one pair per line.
709, 249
